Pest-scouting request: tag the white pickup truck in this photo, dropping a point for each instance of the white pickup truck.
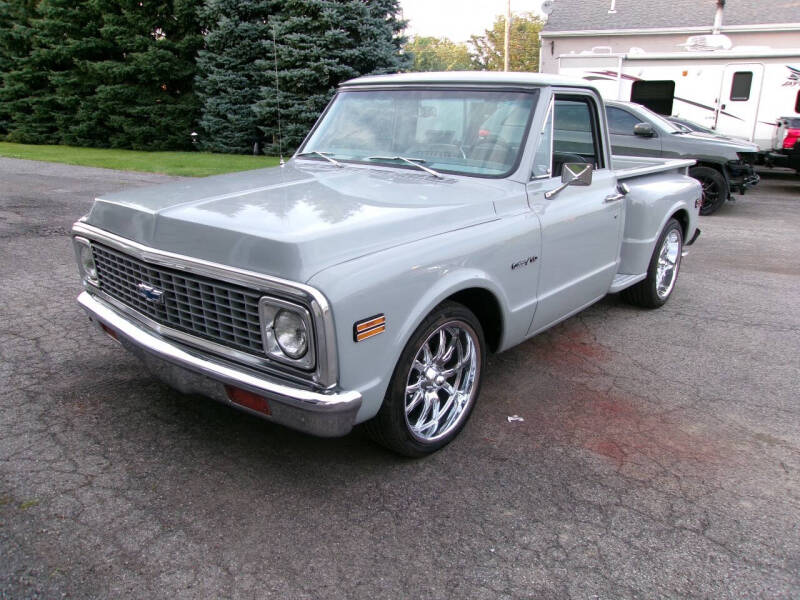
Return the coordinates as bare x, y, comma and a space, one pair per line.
427, 220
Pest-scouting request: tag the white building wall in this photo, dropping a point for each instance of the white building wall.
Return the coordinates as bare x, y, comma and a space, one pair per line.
552, 47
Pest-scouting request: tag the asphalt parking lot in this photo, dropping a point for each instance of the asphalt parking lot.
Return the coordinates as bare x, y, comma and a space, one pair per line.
659, 456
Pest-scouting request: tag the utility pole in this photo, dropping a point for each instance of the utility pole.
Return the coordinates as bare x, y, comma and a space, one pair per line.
508, 35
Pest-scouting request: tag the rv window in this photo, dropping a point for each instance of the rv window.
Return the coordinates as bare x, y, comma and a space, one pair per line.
655, 95
740, 88
621, 122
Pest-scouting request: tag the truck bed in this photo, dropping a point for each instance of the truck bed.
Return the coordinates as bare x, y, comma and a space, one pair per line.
627, 167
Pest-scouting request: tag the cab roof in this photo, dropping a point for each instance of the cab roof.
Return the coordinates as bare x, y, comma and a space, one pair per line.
481, 78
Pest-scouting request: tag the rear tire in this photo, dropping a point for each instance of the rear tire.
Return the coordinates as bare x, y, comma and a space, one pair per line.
662, 273
435, 384
715, 188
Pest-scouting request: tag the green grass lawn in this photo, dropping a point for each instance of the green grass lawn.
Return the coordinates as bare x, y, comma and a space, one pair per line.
192, 164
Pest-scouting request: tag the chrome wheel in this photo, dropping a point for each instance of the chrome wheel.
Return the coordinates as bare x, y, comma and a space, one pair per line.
669, 258
441, 383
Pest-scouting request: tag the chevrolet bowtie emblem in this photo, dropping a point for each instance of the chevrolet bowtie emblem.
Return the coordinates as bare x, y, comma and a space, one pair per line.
150, 293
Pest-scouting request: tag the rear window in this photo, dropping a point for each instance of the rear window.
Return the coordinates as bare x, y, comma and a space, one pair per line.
740, 88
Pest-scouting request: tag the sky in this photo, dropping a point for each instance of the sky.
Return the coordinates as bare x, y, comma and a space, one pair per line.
458, 19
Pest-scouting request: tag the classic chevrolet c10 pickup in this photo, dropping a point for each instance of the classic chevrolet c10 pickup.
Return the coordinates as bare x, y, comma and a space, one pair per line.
427, 220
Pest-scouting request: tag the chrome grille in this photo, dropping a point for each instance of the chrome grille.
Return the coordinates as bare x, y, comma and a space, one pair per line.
208, 308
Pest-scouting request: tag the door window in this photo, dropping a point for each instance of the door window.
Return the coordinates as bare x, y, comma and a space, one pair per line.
542, 166
576, 137
740, 88
621, 122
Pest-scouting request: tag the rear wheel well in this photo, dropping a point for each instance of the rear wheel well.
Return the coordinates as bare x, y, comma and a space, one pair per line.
682, 217
486, 308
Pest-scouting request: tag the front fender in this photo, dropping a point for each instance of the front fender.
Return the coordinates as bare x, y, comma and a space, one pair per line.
406, 283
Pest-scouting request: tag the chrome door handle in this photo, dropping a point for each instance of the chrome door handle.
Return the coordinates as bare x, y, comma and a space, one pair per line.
622, 191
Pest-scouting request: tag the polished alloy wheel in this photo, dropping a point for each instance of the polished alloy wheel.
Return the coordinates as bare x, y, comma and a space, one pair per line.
668, 262
442, 381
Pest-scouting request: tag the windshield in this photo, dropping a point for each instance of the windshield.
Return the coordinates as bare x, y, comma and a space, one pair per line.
457, 131
660, 121
682, 126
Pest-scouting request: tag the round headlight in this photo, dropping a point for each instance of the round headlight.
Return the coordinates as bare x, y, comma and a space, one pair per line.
291, 334
87, 262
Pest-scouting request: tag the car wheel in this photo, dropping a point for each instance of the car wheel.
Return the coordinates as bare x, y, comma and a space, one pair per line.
715, 188
662, 273
434, 385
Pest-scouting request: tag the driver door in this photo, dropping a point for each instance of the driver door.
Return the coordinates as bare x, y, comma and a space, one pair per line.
581, 226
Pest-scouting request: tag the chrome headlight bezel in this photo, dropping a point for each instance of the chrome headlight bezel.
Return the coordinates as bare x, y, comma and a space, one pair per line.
268, 309
85, 257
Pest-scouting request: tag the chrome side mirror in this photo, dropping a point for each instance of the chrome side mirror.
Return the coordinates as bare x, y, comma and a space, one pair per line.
572, 174
644, 130
576, 174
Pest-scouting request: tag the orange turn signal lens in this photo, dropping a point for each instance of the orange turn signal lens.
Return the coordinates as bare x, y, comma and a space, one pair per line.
369, 327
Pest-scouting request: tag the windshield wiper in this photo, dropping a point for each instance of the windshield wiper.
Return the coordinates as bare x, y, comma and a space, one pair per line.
323, 155
414, 162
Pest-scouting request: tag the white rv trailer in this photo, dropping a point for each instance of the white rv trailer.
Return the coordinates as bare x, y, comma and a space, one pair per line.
739, 92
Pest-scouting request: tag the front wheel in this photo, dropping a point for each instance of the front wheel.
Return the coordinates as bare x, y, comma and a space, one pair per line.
662, 273
434, 385
715, 188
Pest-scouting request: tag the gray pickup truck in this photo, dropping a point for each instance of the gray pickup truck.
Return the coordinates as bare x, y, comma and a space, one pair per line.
724, 165
427, 220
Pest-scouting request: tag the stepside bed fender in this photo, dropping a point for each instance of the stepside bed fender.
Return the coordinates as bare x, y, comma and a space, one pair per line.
651, 201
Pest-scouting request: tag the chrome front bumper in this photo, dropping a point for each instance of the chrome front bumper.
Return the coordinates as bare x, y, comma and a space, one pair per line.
323, 414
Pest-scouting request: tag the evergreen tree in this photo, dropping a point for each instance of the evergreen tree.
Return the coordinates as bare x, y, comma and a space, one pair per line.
15, 43
69, 40
21, 79
143, 98
229, 76
321, 43
45, 86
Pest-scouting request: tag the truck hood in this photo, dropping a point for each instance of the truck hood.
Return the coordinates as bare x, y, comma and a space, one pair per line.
296, 220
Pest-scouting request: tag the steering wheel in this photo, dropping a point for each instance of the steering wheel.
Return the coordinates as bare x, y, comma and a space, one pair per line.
484, 149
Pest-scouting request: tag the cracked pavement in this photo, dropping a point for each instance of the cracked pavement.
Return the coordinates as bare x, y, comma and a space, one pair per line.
658, 456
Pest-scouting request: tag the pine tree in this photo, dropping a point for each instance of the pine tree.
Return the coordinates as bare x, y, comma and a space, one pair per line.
15, 44
144, 97
43, 91
229, 76
321, 43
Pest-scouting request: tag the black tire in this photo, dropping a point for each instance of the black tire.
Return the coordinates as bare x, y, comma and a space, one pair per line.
715, 188
390, 427
646, 292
